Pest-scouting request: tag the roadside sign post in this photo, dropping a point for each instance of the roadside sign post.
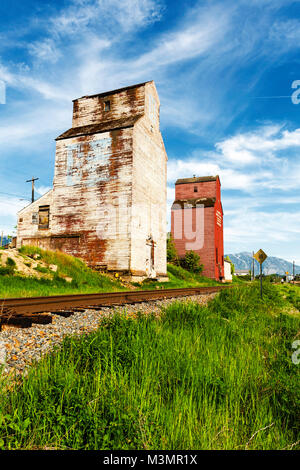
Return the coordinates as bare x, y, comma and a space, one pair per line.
293, 272
260, 256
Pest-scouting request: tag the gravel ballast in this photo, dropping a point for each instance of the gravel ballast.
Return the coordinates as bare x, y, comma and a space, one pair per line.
19, 347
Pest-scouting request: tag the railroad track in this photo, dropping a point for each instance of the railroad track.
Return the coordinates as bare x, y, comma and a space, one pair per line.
24, 311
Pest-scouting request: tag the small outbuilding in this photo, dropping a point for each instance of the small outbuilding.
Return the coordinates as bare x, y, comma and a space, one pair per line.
227, 271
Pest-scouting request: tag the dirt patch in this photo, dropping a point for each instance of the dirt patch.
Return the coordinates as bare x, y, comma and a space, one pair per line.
25, 265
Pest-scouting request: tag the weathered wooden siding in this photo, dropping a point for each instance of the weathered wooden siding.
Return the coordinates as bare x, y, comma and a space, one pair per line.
28, 233
92, 186
149, 190
90, 110
110, 177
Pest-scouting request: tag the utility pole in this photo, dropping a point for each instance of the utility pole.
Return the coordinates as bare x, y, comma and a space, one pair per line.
260, 275
32, 186
293, 272
252, 265
260, 256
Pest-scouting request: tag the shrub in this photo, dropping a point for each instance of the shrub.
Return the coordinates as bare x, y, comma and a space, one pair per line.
191, 262
9, 269
41, 269
172, 255
5, 271
10, 262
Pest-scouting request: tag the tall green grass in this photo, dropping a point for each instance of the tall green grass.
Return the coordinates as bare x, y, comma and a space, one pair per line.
201, 377
179, 277
292, 293
84, 279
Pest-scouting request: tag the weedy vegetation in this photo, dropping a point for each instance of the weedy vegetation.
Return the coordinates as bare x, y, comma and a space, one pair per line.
82, 279
179, 277
218, 376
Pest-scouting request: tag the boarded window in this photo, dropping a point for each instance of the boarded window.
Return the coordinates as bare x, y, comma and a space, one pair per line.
44, 217
106, 105
35, 218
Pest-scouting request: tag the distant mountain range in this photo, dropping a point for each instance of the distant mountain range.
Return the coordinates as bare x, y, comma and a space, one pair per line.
272, 265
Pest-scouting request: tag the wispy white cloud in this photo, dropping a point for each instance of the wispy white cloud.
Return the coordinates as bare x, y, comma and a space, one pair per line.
45, 50
250, 147
248, 162
9, 206
83, 14
41, 190
34, 127
250, 228
89, 61
193, 38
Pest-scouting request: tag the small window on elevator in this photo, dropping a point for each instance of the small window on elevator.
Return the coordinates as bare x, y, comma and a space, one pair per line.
35, 218
44, 217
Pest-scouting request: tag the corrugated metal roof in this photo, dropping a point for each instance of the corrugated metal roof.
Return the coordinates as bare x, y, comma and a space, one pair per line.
206, 201
100, 127
200, 179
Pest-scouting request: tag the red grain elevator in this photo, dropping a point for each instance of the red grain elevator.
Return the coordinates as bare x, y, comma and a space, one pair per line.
197, 222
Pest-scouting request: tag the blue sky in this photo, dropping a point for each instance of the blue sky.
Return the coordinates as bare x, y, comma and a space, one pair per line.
224, 71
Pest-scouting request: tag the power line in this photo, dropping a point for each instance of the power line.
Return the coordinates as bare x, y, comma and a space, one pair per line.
270, 97
15, 195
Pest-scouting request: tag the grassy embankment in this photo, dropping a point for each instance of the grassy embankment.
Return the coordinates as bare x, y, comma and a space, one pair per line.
201, 377
179, 277
84, 279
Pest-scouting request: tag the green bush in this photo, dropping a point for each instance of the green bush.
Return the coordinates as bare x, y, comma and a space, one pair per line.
172, 255
9, 269
247, 277
6, 271
191, 262
41, 269
10, 262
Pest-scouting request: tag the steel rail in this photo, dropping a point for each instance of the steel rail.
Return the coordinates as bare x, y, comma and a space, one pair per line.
30, 305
